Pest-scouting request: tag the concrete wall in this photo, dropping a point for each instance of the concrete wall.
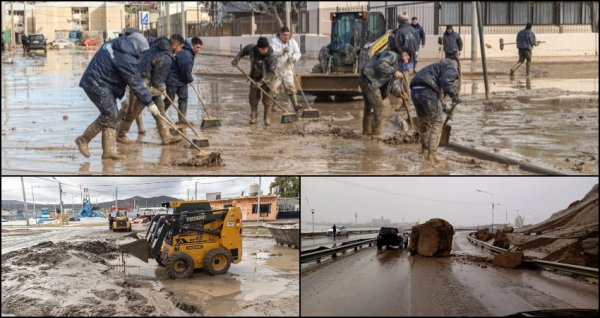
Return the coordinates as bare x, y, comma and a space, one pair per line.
566, 44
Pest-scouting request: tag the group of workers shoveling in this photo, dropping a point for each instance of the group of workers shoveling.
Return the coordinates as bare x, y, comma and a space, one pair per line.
166, 70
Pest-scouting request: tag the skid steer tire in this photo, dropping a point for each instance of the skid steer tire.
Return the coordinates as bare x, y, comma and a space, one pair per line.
159, 260
180, 265
216, 261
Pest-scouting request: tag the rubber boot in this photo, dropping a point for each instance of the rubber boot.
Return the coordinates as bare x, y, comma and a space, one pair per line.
165, 135
434, 141
267, 115
424, 136
82, 141
414, 67
109, 138
376, 127
140, 124
527, 69
183, 109
294, 101
122, 130
367, 125
253, 114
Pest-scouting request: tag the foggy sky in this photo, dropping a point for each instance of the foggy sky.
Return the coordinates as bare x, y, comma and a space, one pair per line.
103, 188
336, 199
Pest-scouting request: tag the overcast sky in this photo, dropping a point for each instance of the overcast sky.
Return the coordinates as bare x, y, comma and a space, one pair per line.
455, 199
45, 189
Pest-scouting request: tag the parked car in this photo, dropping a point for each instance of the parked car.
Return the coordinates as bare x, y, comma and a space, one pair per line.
62, 44
338, 231
389, 236
89, 42
74, 218
36, 42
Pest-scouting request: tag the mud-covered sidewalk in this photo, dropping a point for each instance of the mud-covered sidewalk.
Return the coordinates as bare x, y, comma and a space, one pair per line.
74, 271
550, 119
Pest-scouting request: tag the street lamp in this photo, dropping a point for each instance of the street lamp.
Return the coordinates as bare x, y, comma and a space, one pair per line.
492, 206
313, 219
356, 218
505, 213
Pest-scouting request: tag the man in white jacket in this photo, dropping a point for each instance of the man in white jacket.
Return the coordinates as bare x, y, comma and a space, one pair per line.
287, 52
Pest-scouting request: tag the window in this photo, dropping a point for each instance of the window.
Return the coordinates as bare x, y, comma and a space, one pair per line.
227, 206
265, 209
571, 12
496, 12
543, 13
520, 13
450, 13
390, 15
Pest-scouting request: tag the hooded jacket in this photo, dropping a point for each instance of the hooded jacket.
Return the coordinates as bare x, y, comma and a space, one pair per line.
263, 66
420, 32
404, 38
282, 60
379, 71
452, 43
440, 77
526, 39
114, 67
181, 69
156, 63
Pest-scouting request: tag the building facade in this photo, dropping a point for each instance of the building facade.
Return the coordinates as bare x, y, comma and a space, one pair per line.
270, 206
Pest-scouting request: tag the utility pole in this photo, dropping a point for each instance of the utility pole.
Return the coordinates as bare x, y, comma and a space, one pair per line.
62, 210
12, 24
168, 14
182, 12
197, 18
474, 31
188, 197
288, 11
356, 218
313, 219
25, 202
116, 200
33, 199
258, 203
196, 196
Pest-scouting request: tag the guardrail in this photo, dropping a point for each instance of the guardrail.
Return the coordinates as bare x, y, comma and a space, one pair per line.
310, 234
333, 252
580, 270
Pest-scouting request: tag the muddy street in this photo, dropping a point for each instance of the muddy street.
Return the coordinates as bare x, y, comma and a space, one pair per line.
551, 120
82, 267
393, 283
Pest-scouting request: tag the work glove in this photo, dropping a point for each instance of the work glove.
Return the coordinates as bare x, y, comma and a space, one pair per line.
398, 75
537, 43
285, 50
291, 60
162, 87
153, 109
234, 63
259, 83
445, 108
456, 100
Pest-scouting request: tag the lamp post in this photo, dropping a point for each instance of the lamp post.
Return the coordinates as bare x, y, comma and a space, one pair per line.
313, 219
492, 206
505, 213
356, 218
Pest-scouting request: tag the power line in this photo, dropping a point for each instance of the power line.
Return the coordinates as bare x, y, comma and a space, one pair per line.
402, 194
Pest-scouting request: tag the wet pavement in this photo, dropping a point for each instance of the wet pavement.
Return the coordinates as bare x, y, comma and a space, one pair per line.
384, 282
81, 266
553, 124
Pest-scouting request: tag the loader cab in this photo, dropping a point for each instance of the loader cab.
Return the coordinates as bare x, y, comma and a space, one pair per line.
350, 31
176, 207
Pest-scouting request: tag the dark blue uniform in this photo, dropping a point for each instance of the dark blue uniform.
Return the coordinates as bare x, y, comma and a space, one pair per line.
180, 76
111, 70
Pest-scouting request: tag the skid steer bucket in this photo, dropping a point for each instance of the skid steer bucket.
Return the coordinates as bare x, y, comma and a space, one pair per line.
138, 248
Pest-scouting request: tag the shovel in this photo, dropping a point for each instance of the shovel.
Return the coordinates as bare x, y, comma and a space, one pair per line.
168, 122
287, 117
310, 112
446, 129
208, 121
405, 105
502, 44
198, 141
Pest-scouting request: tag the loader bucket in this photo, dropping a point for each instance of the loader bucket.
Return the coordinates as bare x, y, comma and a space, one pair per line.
138, 248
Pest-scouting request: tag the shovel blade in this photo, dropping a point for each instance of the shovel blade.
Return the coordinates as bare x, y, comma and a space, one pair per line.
310, 113
289, 118
445, 139
138, 249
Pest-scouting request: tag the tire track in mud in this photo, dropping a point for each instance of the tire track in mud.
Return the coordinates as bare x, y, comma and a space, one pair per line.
10, 244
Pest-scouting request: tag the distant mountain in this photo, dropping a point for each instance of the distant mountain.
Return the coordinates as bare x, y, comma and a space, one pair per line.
12, 205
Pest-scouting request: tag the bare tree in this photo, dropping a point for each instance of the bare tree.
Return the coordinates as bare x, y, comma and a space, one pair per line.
277, 8
593, 16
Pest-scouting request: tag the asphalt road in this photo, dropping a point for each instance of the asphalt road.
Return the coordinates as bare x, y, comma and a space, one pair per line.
392, 283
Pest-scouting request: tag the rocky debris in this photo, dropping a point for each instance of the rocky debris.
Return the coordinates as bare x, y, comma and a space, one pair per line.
204, 159
509, 259
501, 240
590, 246
484, 235
433, 238
345, 133
508, 229
108, 294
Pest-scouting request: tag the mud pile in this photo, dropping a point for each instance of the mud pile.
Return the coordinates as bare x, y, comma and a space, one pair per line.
483, 235
501, 240
568, 236
50, 253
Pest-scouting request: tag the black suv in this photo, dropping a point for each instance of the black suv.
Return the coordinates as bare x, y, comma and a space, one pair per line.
389, 236
36, 42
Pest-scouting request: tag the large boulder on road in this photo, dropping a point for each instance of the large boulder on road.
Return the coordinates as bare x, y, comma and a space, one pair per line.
501, 240
483, 235
433, 238
508, 229
509, 259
